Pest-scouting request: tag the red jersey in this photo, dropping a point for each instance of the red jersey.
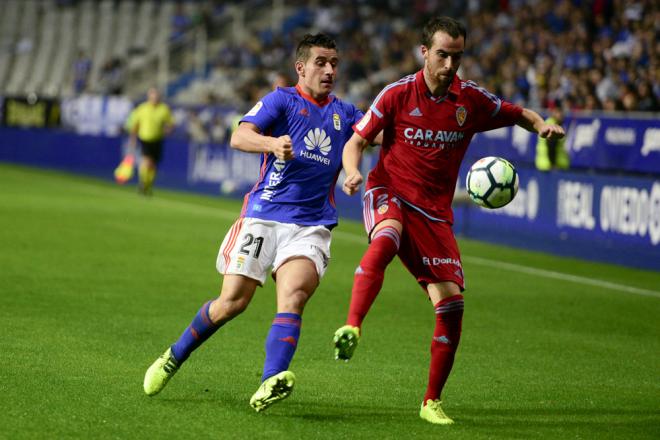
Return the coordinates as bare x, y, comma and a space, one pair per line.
425, 138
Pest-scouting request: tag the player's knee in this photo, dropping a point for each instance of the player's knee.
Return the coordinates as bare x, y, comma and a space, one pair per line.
449, 289
387, 223
224, 309
443, 290
293, 301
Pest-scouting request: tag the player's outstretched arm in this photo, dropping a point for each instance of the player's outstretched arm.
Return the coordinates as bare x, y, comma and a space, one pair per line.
247, 137
351, 161
532, 121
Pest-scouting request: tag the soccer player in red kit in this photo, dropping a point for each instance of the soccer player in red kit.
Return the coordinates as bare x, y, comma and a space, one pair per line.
428, 120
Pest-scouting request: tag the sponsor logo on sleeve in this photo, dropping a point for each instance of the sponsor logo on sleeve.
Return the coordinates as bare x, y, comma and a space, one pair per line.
364, 121
255, 109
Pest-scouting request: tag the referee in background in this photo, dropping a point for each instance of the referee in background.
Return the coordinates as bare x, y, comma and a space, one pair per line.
150, 122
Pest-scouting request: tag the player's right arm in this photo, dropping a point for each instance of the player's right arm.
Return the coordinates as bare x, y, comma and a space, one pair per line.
351, 162
247, 137
532, 121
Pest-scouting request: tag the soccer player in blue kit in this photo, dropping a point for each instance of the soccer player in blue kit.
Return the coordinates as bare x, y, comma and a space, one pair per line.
286, 219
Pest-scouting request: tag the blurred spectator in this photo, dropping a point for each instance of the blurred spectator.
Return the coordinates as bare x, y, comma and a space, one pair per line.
180, 21
81, 68
533, 52
220, 131
24, 45
552, 154
280, 79
196, 129
629, 100
647, 101
112, 77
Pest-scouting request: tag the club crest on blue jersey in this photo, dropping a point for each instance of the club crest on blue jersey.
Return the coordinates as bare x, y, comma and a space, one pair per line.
461, 115
336, 121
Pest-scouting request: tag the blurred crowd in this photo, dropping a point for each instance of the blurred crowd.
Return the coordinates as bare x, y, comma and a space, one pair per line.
575, 54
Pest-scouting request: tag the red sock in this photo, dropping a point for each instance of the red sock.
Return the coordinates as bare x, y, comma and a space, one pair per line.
447, 334
369, 275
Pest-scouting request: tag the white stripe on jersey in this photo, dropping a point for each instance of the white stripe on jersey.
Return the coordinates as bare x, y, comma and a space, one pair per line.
366, 211
421, 211
497, 101
402, 81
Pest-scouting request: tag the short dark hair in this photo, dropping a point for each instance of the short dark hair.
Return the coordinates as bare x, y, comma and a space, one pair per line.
448, 25
309, 41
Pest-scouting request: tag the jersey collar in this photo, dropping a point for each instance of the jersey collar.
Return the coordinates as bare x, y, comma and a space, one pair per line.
308, 97
454, 87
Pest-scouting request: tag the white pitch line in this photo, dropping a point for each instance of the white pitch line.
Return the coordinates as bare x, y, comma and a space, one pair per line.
561, 276
361, 239
528, 270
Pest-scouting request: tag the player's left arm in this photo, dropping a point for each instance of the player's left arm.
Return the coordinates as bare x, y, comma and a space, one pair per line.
532, 121
131, 126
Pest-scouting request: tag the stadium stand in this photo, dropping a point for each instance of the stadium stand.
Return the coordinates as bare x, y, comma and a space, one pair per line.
72, 70
584, 55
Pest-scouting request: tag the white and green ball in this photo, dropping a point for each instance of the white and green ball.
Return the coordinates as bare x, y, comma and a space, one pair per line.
492, 182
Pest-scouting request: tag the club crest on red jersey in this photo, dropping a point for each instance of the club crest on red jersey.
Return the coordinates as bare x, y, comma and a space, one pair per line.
461, 115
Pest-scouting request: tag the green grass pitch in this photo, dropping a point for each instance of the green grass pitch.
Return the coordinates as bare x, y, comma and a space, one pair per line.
95, 282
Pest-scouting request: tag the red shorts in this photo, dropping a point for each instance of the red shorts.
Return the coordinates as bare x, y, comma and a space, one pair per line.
428, 248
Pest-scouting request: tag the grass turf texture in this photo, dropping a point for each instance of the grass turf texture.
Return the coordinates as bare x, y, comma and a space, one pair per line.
96, 281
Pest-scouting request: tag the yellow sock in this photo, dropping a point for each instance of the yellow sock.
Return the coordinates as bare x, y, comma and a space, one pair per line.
151, 176
147, 177
143, 174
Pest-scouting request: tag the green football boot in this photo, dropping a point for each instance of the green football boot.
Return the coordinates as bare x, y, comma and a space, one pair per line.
432, 412
160, 373
346, 340
272, 390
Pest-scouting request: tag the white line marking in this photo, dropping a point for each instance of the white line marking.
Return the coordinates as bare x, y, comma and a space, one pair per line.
360, 239
528, 270
561, 276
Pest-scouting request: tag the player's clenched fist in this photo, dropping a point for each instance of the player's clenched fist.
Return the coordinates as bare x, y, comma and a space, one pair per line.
551, 131
282, 148
352, 183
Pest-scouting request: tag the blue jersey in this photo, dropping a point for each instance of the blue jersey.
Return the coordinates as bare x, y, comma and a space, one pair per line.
301, 190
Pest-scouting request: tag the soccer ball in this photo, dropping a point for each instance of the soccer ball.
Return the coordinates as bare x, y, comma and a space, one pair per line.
492, 182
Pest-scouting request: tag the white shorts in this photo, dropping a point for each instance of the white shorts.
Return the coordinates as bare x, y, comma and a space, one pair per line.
252, 246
